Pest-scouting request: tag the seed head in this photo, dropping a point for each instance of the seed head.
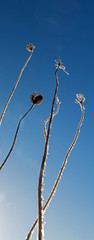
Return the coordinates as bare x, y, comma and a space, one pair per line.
30, 47
59, 65
80, 98
36, 98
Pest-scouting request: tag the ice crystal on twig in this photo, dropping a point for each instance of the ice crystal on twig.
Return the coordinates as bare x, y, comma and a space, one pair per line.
60, 65
54, 114
80, 98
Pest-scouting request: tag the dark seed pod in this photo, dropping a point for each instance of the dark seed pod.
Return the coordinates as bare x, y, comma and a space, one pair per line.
36, 98
30, 47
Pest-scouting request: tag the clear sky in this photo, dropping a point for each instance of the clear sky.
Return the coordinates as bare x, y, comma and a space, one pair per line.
56, 28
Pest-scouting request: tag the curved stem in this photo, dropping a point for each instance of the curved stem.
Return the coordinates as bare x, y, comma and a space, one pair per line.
54, 114
2, 165
40, 204
65, 161
6, 105
60, 173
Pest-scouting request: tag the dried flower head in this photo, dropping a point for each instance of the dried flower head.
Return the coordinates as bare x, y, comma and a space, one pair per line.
30, 47
80, 98
36, 98
59, 64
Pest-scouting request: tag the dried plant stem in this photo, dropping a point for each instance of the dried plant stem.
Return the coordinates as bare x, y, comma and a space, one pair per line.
60, 173
65, 160
6, 105
54, 114
2, 165
40, 203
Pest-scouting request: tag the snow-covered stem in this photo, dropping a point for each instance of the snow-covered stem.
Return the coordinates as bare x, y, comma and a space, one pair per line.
40, 184
80, 101
15, 137
54, 114
66, 158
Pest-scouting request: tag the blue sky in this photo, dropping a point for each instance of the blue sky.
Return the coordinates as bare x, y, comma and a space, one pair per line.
65, 29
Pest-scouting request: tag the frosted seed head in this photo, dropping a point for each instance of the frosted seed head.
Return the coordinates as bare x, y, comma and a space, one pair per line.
59, 65
80, 98
36, 98
30, 47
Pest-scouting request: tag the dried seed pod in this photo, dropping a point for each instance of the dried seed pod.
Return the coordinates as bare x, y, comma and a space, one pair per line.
80, 98
30, 47
59, 65
36, 98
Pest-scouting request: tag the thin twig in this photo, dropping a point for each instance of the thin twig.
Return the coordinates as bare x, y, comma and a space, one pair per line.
36, 98
65, 160
15, 137
40, 203
6, 105
54, 114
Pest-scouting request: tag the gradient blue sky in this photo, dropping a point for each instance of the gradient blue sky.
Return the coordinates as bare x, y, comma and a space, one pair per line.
56, 28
